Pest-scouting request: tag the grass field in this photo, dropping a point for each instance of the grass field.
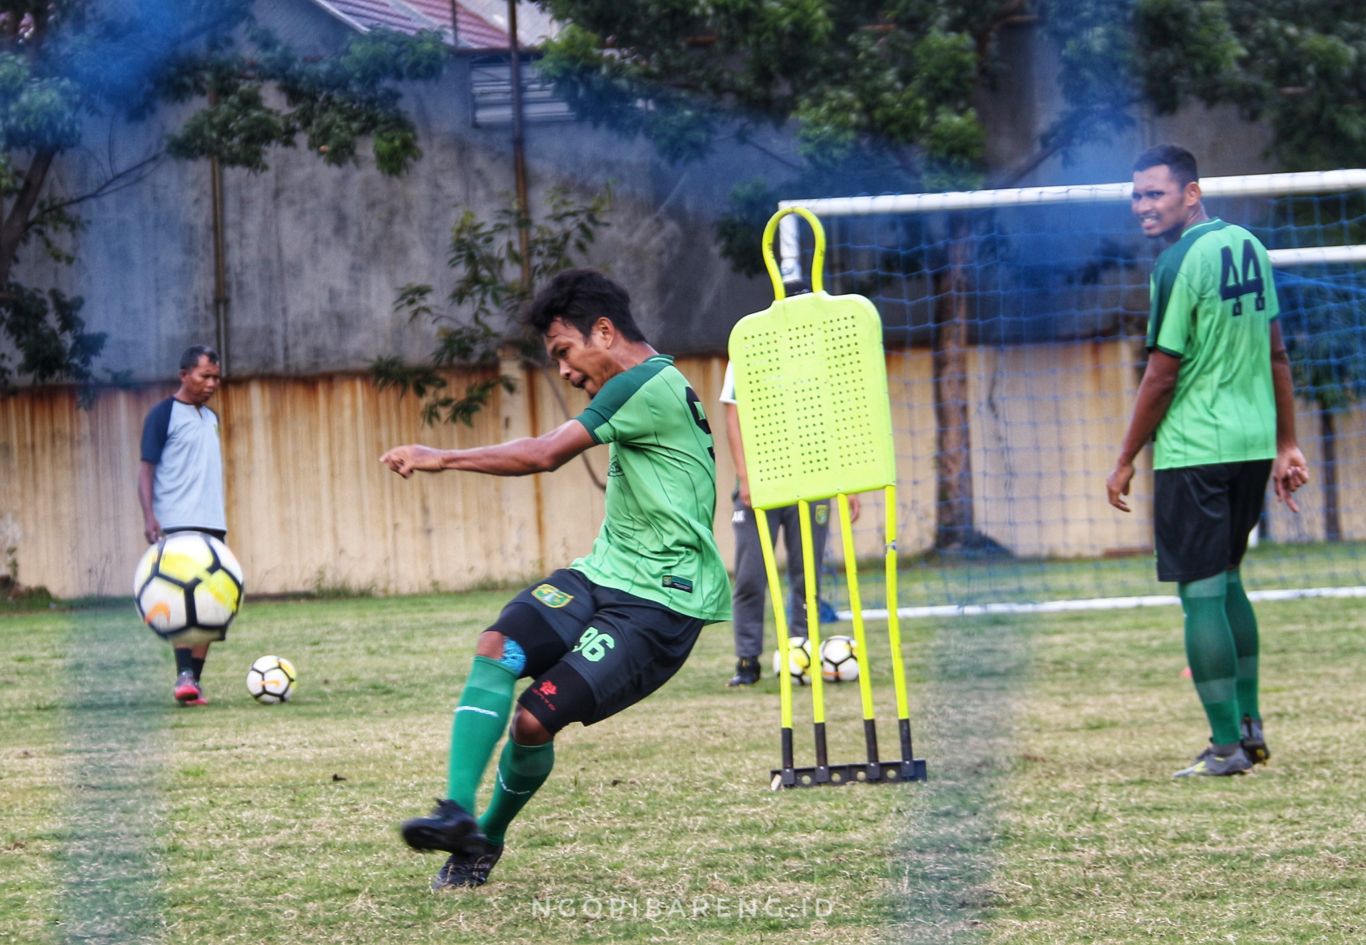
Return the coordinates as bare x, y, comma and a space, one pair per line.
1049, 816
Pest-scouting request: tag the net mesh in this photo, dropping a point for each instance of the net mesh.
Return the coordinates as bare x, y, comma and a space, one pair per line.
1015, 339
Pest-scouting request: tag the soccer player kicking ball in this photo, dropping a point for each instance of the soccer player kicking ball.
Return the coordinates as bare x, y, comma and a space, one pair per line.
1217, 390
611, 628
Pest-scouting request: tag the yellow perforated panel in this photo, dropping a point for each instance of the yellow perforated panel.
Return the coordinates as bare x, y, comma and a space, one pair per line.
811, 390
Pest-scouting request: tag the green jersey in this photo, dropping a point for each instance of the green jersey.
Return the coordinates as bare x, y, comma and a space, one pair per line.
1213, 300
656, 540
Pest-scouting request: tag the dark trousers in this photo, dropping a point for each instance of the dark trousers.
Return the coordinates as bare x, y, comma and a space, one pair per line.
751, 585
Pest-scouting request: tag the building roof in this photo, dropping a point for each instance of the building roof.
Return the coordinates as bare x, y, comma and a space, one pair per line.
480, 24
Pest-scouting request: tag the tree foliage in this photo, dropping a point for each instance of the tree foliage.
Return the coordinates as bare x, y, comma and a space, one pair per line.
494, 281
879, 95
1297, 66
893, 80
64, 60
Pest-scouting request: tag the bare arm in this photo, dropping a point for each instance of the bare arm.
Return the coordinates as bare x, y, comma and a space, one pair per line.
151, 528
1289, 471
520, 457
1154, 397
737, 450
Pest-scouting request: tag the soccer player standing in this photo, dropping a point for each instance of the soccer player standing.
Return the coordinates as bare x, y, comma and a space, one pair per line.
615, 625
1217, 391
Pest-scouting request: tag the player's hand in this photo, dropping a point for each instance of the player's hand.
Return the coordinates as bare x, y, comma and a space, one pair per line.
406, 460
151, 530
1288, 473
854, 508
1117, 485
744, 491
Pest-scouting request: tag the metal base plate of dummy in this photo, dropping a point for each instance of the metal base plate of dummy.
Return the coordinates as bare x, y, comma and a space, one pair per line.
883, 772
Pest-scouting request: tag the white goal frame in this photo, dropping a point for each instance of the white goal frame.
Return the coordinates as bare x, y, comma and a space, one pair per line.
1256, 185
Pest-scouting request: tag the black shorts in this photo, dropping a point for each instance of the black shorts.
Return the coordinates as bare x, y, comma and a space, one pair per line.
1203, 515
599, 649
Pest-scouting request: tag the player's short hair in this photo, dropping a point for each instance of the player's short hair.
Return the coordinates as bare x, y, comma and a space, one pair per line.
581, 297
1180, 161
190, 359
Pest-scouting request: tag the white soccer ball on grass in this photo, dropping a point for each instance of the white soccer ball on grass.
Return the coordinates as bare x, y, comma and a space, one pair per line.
839, 659
271, 679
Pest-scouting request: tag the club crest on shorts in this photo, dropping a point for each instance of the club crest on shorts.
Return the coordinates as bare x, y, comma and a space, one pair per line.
822, 514
551, 596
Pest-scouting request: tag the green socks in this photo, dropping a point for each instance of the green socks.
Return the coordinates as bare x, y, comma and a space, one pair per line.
1211, 654
521, 770
479, 721
1243, 622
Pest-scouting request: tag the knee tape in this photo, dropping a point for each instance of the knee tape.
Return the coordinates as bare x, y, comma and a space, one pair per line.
514, 657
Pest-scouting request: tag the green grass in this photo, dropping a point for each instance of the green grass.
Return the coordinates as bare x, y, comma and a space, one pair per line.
1049, 817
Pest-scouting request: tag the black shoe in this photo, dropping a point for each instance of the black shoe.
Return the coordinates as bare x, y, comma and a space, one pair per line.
468, 868
746, 672
1253, 741
450, 827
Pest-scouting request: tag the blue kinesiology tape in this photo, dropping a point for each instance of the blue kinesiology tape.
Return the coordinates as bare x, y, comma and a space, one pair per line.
514, 658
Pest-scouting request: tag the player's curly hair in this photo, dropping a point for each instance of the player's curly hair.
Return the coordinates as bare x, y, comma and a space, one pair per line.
581, 297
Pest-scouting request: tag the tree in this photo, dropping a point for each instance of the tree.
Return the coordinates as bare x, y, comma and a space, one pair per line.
880, 97
61, 60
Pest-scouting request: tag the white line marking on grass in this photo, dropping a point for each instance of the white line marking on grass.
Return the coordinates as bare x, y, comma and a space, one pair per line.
1097, 603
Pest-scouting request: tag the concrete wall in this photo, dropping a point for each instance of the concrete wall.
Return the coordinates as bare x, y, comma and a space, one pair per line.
315, 254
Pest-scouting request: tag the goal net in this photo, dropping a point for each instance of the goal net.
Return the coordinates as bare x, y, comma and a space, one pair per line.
1014, 322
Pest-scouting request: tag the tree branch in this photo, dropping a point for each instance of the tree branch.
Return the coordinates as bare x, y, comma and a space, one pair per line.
116, 182
17, 220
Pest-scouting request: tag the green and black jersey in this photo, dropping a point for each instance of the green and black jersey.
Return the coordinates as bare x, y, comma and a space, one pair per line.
1212, 303
656, 540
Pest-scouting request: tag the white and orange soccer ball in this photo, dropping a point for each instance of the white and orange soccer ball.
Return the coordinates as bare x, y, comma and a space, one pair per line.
839, 659
187, 588
271, 679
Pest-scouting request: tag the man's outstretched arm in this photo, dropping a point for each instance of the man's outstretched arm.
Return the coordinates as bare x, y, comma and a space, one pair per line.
519, 457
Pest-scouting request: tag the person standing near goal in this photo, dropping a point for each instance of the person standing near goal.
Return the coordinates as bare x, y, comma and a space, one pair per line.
615, 625
1217, 392
180, 482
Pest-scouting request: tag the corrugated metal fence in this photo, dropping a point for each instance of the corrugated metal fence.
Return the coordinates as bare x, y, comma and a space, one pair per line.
310, 507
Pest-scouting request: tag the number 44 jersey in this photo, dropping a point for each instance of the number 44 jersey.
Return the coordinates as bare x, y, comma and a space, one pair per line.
656, 540
1212, 302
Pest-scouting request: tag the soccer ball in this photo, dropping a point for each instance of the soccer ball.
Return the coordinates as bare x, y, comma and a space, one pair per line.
271, 679
187, 588
798, 660
839, 659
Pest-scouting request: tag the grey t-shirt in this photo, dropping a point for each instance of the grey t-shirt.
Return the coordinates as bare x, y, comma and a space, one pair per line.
181, 440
